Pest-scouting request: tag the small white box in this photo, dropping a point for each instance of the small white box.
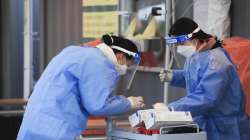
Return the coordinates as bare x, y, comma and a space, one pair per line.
142, 116
134, 120
139, 117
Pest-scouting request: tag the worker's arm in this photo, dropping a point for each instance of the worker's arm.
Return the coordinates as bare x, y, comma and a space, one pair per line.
208, 92
178, 79
96, 83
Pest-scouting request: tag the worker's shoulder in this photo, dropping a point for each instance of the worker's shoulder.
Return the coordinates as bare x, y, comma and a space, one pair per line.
79, 49
82, 53
219, 59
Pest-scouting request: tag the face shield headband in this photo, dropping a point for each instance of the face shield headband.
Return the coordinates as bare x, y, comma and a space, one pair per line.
136, 56
181, 38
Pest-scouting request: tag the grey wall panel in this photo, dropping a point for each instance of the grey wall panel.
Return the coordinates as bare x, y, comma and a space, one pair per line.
62, 25
240, 14
11, 48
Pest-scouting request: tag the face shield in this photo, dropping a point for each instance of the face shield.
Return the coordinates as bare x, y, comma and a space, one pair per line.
175, 41
132, 65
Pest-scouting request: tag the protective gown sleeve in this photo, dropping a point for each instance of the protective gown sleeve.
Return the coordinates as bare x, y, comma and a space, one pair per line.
96, 89
207, 93
96, 83
178, 79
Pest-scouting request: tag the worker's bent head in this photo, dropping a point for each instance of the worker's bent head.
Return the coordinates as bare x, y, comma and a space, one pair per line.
125, 50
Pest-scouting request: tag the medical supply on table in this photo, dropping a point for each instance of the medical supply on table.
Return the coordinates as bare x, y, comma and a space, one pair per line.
156, 118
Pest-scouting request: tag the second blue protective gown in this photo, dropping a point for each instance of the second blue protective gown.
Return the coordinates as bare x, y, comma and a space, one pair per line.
214, 94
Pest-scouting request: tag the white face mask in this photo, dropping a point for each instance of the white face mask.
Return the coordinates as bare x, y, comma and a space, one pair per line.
186, 51
122, 69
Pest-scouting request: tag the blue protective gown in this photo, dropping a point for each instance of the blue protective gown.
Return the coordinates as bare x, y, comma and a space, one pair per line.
214, 94
77, 83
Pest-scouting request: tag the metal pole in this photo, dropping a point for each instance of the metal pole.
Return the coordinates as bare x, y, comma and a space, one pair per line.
173, 11
126, 6
167, 53
109, 127
27, 48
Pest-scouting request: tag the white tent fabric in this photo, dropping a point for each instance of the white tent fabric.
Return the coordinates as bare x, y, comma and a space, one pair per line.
200, 14
213, 16
219, 22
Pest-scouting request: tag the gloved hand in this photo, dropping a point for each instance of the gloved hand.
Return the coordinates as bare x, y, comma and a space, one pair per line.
160, 106
136, 102
166, 75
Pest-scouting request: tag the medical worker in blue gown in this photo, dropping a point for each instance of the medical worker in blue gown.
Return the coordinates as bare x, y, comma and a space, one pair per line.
214, 94
77, 84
